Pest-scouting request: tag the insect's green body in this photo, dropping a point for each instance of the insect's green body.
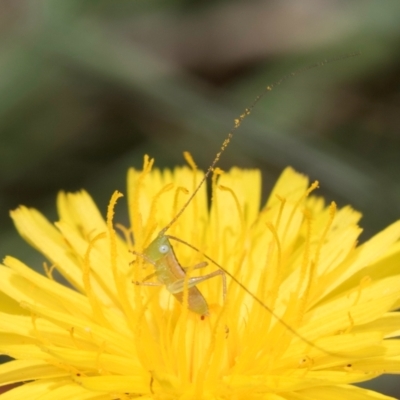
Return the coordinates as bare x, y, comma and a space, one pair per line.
171, 274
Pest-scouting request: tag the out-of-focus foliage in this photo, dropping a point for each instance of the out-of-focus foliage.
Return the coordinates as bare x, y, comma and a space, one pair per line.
88, 87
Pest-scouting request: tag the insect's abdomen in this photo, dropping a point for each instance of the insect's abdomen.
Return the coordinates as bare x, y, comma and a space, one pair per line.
197, 302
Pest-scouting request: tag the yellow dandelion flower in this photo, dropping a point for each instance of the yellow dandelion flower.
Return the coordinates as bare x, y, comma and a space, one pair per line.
306, 311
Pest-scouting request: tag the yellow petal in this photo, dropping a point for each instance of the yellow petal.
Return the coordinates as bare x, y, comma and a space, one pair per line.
26, 370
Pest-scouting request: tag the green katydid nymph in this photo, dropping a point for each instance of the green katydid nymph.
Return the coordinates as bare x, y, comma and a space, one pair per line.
170, 273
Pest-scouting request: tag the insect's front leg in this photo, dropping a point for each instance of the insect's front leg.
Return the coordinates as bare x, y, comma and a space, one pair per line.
197, 266
144, 256
145, 279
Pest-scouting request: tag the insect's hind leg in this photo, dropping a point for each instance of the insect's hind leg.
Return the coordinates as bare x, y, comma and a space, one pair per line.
178, 285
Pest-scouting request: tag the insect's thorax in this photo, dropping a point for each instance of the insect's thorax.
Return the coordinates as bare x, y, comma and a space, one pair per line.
168, 269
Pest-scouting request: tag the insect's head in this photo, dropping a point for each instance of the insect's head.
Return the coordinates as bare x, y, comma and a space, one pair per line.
158, 248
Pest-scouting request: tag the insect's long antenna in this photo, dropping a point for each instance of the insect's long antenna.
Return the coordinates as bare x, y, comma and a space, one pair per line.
241, 118
261, 303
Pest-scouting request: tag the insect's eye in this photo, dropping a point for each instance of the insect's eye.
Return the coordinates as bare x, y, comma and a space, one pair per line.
163, 249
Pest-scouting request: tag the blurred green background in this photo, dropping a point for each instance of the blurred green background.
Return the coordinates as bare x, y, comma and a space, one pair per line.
88, 87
